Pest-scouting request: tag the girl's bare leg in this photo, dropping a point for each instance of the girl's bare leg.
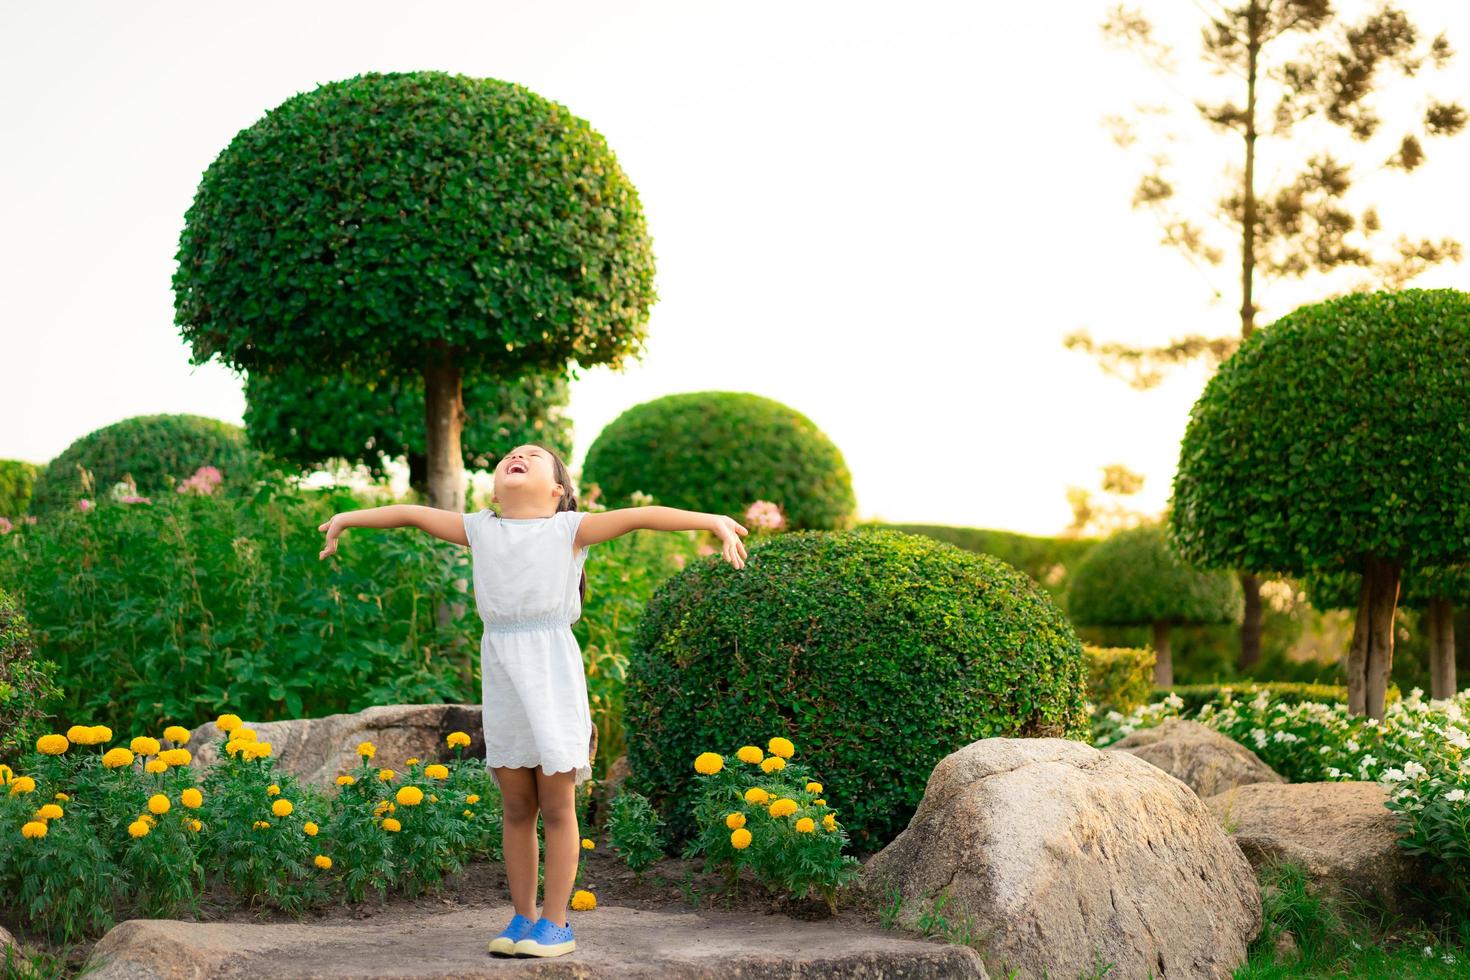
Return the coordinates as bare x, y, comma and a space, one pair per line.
518, 835
556, 794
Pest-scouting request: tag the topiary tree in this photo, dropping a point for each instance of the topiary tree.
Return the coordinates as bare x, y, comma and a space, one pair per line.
17, 483
1136, 578
416, 225
1433, 591
1333, 441
305, 418
719, 451
876, 653
156, 451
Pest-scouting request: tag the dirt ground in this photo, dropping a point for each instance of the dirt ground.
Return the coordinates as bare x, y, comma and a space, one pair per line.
673, 883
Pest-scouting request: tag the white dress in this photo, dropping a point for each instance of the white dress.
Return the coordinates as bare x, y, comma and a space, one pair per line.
533, 682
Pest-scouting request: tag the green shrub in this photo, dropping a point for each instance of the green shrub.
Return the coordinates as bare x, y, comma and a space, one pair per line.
157, 451
17, 484
1049, 561
878, 652
635, 831
1118, 678
27, 685
678, 448
160, 611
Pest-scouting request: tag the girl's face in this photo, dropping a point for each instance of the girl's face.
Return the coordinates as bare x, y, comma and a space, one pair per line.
525, 479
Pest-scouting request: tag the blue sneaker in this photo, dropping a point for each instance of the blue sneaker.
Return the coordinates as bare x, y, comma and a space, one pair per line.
505, 942
546, 938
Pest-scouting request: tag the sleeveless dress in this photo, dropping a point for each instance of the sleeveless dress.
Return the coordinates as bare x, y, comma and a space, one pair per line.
533, 682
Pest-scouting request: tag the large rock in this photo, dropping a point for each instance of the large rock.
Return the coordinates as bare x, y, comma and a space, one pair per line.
1340, 833
1067, 858
1198, 756
613, 942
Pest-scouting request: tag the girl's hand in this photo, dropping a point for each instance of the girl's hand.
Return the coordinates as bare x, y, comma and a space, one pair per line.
726, 530
334, 527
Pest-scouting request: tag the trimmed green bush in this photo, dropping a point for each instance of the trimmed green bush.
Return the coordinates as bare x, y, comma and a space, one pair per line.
876, 653
1195, 696
17, 483
719, 452
1334, 440
27, 684
159, 451
1135, 578
1119, 678
1050, 561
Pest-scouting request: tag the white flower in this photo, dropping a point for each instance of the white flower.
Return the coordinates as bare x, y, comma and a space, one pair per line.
1174, 700
1448, 957
1455, 795
1334, 772
1428, 951
1457, 737
1392, 776
1367, 761
1351, 745
1412, 770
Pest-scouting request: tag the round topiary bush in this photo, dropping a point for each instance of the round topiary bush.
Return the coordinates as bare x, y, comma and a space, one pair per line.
876, 653
720, 451
1136, 578
154, 449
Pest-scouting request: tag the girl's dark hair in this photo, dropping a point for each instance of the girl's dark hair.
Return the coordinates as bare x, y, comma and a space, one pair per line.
568, 501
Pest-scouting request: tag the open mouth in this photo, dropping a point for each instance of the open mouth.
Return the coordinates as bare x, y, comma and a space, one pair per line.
515, 468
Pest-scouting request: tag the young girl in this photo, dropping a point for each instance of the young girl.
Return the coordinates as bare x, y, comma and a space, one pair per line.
529, 584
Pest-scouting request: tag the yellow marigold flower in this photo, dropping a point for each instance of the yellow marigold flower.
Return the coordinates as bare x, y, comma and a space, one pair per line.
323, 862
101, 735
583, 900
228, 723
773, 764
245, 735
52, 744
147, 818
6, 774
411, 762
345, 780
282, 808
386, 774
22, 784
410, 796
310, 828
138, 828
806, 825
781, 746
158, 804
784, 807
392, 825
33, 829
367, 750
257, 750
155, 766
436, 771
177, 734
195, 825
192, 798
813, 787
79, 734
740, 839
756, 795
273, 790
819, 802
830, 822
457, 738
49, 812
143, 745
117, 758
261, 824
472, 799
469, 813
588, 843
709, 763
176, 757
382, 805
734, 820
750, 753
62, 797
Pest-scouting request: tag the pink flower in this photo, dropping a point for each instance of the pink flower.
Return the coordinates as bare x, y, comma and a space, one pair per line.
204, 481
678, 559
84, 504
765, 514
5, 525
134, 499
705, 549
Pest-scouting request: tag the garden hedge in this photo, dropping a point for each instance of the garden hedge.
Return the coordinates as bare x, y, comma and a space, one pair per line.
719, 452
28, 688
1119, 678
1196, 696
17, 483
876, 653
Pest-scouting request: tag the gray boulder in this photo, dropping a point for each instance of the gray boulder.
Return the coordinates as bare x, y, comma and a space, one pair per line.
1198, 756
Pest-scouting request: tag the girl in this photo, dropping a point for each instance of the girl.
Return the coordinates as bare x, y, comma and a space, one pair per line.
529, 585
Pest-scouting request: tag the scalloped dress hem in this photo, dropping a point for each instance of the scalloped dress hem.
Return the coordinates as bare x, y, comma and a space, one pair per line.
582, 770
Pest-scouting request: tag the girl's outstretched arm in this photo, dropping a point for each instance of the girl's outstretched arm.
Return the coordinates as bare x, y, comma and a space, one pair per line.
605, 525
445, 524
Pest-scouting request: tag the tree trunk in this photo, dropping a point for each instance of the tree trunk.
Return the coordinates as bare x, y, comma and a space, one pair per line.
1371, 656
1163, 659
445, 418
1250, 624
1441, 628
418, 474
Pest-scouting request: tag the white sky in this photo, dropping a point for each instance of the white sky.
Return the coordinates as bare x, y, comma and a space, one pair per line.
886, 216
